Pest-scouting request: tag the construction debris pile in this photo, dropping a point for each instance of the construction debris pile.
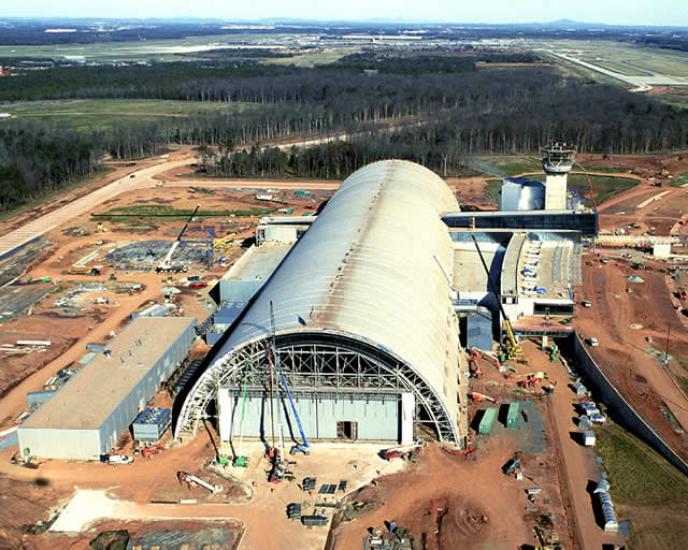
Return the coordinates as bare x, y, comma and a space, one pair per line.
145, 255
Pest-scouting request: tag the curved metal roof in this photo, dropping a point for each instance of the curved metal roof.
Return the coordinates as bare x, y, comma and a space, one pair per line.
375, 266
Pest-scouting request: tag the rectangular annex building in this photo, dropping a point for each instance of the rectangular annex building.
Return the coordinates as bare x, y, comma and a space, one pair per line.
87, 416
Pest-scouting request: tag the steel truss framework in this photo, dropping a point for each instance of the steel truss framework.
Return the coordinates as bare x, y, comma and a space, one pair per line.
320, 364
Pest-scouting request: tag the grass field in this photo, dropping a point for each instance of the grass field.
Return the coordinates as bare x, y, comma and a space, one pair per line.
622, 57
648, 490
604, 187
506, 165
630, 64
98, 114
680, 180
184, 49
144, 50
171, 213
311, 58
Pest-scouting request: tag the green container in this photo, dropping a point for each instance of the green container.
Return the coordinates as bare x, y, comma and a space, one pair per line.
512, 415
487, 421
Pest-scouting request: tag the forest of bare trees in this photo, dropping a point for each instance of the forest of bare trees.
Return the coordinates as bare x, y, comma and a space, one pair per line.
437, 113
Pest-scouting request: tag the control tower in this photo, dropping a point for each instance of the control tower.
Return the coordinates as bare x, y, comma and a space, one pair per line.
557, 160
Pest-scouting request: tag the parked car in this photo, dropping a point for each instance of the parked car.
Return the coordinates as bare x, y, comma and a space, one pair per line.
593, 342
592, 411
119, 459
588, 406
586, 303
597, 419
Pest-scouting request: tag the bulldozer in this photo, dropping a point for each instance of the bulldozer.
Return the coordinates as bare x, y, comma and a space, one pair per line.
224, 242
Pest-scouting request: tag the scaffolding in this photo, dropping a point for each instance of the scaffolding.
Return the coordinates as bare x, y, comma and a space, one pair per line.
317, 363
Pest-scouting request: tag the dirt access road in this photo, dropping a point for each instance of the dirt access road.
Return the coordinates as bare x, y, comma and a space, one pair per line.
579, 469
623, 322
660, 208
82, 206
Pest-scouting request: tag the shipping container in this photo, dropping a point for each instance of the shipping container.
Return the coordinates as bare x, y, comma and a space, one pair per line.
512, 415
589, 438
487, 421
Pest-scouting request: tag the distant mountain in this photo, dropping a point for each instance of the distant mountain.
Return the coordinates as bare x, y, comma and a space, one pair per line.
556, 25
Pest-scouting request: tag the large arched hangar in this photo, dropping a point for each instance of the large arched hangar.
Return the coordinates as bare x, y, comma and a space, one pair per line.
364, 327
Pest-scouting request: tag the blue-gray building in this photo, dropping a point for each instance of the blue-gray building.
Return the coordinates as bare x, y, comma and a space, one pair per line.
88, 415
151, 424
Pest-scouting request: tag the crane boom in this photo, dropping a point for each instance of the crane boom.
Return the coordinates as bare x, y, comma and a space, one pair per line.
513, 349
303, 447
166, 263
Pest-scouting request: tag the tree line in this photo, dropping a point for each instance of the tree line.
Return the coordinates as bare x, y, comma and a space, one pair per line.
435, 118
34, 162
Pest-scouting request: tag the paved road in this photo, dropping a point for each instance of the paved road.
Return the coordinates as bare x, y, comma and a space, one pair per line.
640, 83
84, 205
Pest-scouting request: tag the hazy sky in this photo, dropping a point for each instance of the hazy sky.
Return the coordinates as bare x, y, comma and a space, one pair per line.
639, 12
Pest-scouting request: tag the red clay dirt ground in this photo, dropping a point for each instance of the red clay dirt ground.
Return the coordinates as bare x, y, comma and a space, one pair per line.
441, 500
623, 351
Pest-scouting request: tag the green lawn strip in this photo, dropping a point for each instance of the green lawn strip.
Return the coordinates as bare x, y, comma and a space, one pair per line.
168, 212
639, 476
678, 181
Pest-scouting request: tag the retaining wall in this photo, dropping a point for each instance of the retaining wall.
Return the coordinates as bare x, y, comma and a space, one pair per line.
620, 407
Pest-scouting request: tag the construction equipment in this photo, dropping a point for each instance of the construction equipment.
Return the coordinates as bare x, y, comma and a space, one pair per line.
224, 242
479, 397
148, 452
166, 265
510, 348
94, 271
241, 461
481, 354
405, 451
512, 466
554, 353
31, 280
100, 228
529, 382
190, 479
279, 469
303, 447
474, 370
463, 453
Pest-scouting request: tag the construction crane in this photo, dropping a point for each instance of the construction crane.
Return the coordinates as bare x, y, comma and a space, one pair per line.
190, 479
299, 447
166, 264
510, 346
241, 461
